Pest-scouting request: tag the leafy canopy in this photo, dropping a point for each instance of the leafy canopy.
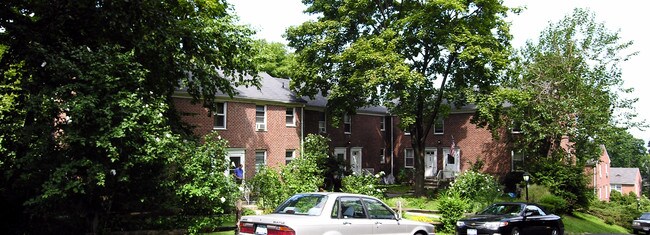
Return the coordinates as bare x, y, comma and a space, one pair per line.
88, 126
400, 54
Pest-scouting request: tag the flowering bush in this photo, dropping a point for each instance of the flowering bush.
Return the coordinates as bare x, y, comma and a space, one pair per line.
477, 187
363, 184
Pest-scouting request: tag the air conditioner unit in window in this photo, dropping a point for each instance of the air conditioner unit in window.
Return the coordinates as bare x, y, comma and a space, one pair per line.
260, 126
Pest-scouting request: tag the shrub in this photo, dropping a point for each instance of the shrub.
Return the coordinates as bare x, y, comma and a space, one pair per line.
554, 204
481, 189
452, 208
367, 184
566, 181
304, 174
535, 193
267, 188
405, 176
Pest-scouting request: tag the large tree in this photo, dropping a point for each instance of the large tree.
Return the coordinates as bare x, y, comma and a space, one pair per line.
406, 55
86, 104
565, 95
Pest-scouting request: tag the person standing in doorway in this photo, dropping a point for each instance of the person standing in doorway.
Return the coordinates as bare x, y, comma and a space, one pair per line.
239, 174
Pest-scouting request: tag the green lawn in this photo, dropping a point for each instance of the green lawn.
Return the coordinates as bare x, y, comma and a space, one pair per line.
583, 223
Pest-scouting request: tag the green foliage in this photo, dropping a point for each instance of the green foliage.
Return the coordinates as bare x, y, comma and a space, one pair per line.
566, 181
557, 91
273, 58
554, 204
303, 174
475, 187
452, 208
535, 192
200, 184
88, 130
268, 188
367, 184
582, 223
395, 53
616, 213
405, 176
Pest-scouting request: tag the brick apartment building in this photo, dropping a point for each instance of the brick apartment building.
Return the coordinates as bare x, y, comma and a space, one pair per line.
267, 127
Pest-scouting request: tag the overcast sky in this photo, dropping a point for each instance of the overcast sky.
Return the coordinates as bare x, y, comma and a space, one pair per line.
272, 18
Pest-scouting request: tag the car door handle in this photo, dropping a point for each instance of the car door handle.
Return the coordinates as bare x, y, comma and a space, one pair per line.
346, 223
378, 223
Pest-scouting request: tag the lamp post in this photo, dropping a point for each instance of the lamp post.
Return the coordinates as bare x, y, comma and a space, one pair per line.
526, 178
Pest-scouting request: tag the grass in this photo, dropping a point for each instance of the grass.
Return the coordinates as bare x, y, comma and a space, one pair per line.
580, 223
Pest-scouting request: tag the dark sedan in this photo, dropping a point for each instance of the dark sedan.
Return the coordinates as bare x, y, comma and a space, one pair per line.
511, 219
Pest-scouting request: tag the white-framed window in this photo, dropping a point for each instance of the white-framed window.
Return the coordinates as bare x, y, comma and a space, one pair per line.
617, 187
518, 158
291, 116
260, 118
322, 123
382, 123
409, 158
347, 124
382, 155
220, 116
439, 126
289, 156
260, 159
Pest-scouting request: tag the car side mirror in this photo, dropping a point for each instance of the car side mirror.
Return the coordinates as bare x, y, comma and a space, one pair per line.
398, 216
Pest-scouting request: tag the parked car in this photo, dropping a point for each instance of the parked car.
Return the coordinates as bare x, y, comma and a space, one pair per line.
511, 219
642, 224
332, 213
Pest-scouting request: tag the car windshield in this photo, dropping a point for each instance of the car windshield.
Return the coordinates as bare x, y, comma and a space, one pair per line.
645, 216
303, 204
502, 209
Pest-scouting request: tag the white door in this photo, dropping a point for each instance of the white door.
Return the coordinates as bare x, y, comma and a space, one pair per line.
355, 160
430, 162
451, 163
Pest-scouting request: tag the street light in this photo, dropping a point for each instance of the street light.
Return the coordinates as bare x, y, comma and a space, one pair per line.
526, 178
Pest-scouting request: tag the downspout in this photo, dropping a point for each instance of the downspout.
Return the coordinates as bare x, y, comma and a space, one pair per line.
392, 145
302, 129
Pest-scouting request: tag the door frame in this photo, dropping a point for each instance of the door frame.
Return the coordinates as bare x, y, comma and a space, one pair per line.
435, 161
358, 162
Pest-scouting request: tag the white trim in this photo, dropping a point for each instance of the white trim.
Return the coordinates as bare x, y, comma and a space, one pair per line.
264, 126
412, 156
443, 127
293, 117
225, 117
435, 161
257, 167
359, 161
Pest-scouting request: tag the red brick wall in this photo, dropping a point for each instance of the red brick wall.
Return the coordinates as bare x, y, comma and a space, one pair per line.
474, 143
366, 133
241, 133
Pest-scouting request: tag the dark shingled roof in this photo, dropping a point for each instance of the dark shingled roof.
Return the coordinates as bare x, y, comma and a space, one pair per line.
271, 89
623, 175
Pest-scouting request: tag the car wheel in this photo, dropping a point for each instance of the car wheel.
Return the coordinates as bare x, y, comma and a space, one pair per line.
515, 231
555, 231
